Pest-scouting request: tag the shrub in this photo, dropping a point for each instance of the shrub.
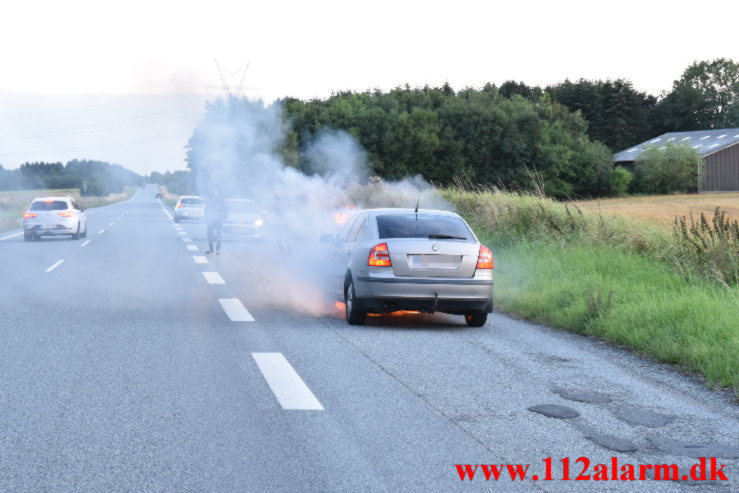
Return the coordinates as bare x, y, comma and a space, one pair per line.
620, 180
668, 169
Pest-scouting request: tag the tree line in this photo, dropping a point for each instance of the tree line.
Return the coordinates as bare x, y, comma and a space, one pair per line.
565, 132
92, 178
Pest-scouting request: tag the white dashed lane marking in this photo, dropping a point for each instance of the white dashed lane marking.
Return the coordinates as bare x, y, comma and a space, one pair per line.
56, 264
192, 248
182, 233
186, 239
290, 390
101, 231
14, 235
111, 224
85, 244
235, 310
199, 259
213, 278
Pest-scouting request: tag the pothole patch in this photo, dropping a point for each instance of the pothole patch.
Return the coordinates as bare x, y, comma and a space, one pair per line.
587, 397
612, 443
690, 449
555, 411
643, 417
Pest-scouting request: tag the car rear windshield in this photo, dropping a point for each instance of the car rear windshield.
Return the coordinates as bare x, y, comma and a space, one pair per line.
191, 201
422, 226
48, 205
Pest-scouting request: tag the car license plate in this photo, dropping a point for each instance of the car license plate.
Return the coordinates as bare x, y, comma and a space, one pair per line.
48, 226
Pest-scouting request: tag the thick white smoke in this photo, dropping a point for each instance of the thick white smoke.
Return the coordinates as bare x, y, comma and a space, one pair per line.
238, 148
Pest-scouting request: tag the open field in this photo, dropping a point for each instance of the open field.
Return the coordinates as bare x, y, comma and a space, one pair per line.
662, 209
14, 203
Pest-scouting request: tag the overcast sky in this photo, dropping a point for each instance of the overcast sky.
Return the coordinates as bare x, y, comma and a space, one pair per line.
73, 73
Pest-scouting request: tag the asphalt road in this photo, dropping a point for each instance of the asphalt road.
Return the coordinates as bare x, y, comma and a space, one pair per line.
124, 369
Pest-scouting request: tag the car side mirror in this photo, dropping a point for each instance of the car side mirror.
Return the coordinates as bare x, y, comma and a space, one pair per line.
326, 238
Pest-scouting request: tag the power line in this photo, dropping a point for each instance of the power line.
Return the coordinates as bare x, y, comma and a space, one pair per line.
74, 108
96, 126
165, 137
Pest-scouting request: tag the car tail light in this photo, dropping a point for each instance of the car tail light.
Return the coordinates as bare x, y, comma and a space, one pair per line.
29, 215
379, 256
67, 214
179, 205
485, 258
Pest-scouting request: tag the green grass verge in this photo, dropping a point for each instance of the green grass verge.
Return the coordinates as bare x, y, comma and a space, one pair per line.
626, 298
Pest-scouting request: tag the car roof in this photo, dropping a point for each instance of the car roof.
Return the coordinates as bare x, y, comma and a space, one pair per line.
43, 199
389, 211
190, 197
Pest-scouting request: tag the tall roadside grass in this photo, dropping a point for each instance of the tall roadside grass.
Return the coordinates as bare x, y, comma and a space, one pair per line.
672, 296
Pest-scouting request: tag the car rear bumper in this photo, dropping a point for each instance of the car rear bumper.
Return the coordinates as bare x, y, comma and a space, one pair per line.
377, 294
42, 230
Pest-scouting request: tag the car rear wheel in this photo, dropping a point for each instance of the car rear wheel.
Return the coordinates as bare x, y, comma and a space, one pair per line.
353, 316
476, 319
27, 236
76, 236
176, 219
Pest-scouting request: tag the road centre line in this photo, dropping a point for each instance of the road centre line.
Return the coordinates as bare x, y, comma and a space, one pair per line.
199, 259
11, 236
57, 264
287, 386
213, 278
235, 310
192, 248
85, 243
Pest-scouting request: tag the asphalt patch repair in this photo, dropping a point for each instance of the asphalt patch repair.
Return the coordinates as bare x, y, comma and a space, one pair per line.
555, 411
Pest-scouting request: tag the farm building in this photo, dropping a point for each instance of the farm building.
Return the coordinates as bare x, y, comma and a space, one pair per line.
719, 150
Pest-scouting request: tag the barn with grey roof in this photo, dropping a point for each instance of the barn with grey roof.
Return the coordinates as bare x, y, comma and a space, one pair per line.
719, 150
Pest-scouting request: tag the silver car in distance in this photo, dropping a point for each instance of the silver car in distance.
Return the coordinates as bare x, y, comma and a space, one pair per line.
189, 207
51, 216
388, 260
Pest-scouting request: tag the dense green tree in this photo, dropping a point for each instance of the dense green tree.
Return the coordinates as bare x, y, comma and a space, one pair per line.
705, 96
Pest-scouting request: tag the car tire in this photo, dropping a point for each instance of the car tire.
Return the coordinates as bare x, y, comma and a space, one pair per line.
84, 235
176, 219
476, 319
76, 236
27, 237
353, 316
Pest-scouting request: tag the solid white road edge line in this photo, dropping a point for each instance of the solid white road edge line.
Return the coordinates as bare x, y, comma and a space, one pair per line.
11, 236
57, 264
199, 259
213, 278
290, 390
85, 244
235, 310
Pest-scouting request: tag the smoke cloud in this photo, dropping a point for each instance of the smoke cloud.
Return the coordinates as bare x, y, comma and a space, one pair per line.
238, 148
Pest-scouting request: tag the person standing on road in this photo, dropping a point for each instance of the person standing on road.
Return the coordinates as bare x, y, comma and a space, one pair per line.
215, 213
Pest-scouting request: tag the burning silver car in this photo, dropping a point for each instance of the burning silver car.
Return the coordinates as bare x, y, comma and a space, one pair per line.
399, 259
